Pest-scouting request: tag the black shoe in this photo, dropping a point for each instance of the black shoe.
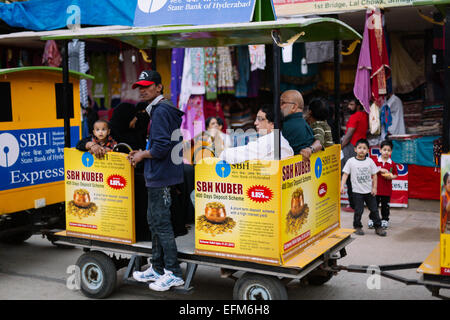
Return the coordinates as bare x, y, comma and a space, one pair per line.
379, 231
359, 231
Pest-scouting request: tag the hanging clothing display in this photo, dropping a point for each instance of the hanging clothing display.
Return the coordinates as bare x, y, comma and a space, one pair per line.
193, 119
74, 54
51, 56
99, 69
193, 79
113, 75
362, 88
225, 82
319, 51
378, 57
131, 67
211, 73
406, 73
257, 57
398, 121
243, 60
176, 74
214, 109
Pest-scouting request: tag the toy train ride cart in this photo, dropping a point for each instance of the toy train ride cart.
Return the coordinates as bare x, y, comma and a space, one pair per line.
275, 221
32, 148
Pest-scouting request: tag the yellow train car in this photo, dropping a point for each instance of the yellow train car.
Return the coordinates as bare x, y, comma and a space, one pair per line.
32, 146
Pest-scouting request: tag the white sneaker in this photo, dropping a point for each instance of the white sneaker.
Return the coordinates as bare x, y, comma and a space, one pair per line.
370, 224
147, 275
165, 282
384, 224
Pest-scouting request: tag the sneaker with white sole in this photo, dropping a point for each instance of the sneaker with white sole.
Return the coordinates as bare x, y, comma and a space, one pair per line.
370, 224
384, 224
147, 275
165, 282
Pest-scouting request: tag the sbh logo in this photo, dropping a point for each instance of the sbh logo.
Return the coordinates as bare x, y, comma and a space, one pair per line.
150, 6
318, 168
9, 150
223, 169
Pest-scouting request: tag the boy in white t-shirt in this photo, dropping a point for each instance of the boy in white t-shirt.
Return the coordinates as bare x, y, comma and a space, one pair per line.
363, 175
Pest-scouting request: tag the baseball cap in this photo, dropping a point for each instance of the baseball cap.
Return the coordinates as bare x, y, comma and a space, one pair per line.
147, 78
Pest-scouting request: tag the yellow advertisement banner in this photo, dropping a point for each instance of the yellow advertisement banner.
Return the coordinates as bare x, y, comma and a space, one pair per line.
285, 8
236, 210
310, 199
99, 196
445, 214
262, 211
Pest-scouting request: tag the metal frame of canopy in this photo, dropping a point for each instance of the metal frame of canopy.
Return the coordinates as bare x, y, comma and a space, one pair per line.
267, 32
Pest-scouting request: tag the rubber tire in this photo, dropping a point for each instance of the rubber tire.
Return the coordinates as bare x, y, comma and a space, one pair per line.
97, 261
271, 287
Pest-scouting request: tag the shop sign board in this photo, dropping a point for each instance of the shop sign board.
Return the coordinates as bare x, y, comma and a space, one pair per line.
265, 211
284, 8
192, 12
445, 215
99, 196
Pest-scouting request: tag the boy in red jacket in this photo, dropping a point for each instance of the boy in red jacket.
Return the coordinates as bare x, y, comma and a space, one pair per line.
387, 173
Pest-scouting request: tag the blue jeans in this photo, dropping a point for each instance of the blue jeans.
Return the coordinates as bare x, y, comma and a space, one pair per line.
164, 247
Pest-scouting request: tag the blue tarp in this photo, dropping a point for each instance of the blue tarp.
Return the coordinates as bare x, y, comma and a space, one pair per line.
41, 15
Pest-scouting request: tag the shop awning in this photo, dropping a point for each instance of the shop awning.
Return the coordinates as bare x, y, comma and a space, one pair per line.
308, 29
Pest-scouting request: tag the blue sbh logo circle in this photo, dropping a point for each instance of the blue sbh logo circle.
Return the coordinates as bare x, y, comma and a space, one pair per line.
318, 167
223, 169
87, 159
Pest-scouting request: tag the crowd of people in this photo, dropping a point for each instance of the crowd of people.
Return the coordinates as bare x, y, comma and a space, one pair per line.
167, 181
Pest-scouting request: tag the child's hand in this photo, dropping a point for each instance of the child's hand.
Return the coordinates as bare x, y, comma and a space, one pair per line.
374, 192
383, 170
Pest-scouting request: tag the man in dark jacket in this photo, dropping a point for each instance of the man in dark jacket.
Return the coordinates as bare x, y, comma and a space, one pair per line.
294, 127
160, 173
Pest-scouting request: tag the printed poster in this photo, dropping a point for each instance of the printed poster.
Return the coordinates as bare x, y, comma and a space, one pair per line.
445, 214
265, 211
192, 12
310, 199
99, 196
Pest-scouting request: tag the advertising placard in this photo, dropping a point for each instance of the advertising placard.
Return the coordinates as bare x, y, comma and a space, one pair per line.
30, 157
192, 12
99, 196
310, 199
445, 215
285, 8
265, 211
237, 210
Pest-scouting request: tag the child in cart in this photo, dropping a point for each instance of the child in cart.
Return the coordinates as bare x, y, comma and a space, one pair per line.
387, 172
363, 175
100, 141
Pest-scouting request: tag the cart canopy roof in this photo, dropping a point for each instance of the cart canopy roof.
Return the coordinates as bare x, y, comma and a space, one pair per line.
303, 29
72, 73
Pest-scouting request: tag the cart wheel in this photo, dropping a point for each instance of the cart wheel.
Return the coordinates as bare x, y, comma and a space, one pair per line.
253, 286
98, 274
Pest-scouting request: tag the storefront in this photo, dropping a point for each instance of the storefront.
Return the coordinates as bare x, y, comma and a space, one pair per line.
414, 38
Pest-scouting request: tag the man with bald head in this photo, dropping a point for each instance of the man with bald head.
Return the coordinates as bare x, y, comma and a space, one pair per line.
294, 127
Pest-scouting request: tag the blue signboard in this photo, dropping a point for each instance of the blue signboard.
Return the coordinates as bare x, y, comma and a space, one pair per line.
33, 156
192, 12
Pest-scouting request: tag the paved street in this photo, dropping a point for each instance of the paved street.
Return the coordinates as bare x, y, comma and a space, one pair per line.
37, 269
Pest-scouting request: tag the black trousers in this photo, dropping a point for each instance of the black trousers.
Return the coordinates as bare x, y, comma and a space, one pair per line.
359, 199
384, 200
